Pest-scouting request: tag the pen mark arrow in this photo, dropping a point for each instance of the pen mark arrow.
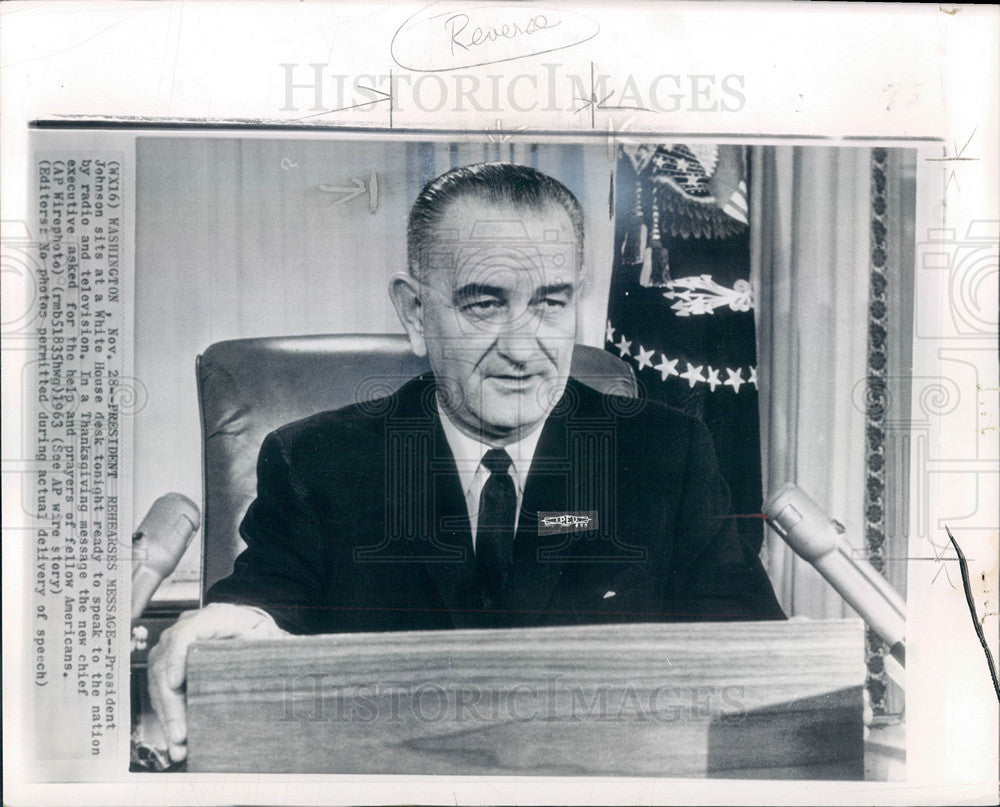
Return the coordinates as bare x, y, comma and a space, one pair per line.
359, 187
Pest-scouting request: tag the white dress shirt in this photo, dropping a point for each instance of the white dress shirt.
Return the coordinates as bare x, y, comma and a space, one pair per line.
472, 474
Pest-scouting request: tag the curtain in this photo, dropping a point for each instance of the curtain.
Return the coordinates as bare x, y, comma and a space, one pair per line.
810, 252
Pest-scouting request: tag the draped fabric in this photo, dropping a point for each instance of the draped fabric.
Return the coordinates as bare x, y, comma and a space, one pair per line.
828, 253
832, 246
810, 241
680, 304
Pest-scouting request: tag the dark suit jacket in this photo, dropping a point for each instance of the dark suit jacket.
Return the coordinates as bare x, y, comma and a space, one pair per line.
360, 523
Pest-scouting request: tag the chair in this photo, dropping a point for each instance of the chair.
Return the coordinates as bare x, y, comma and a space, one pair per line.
249, 387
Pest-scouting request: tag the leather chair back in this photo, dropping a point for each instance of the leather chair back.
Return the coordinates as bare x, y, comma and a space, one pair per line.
249, 387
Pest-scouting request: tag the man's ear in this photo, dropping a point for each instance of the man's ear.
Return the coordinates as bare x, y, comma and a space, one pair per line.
405, 293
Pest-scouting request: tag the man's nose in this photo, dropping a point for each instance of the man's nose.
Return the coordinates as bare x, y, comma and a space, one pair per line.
518, 342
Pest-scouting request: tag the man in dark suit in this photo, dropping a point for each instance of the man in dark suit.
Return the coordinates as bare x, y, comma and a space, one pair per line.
494, 492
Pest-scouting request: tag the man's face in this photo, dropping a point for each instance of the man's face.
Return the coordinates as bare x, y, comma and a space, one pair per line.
499, 310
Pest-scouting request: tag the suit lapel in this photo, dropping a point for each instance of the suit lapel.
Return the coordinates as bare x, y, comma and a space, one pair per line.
539, 561
456, 580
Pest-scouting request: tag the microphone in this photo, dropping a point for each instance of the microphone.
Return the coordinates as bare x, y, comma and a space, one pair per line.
819, 540
159, 543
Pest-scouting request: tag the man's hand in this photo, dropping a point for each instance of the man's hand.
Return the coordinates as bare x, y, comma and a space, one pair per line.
168, 660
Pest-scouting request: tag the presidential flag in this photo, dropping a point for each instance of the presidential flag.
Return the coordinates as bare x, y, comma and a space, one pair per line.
680, 309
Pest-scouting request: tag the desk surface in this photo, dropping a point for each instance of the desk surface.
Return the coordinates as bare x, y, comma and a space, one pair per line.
726, 700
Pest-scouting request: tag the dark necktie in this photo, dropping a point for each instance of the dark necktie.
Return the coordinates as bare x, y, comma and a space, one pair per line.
495, 528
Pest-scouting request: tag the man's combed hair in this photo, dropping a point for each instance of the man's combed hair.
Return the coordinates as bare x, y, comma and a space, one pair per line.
501, 184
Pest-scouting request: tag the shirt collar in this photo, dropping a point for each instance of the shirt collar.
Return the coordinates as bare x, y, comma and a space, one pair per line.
469, 452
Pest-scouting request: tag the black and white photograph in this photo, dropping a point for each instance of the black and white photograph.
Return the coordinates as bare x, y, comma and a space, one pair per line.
520, 392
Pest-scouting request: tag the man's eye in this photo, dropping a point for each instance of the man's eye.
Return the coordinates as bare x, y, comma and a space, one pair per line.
553, 302
482, 306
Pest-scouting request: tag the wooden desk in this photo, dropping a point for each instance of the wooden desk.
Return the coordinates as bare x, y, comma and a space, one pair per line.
732, 700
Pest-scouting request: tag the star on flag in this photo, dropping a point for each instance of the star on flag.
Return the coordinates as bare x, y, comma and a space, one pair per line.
713, 378
643, 358
667, 367
693, 374
735, 379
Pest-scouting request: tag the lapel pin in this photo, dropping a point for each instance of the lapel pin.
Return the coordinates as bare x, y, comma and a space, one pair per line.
553, 523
